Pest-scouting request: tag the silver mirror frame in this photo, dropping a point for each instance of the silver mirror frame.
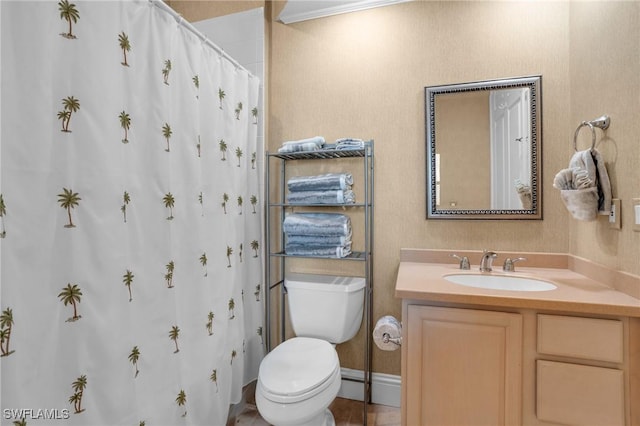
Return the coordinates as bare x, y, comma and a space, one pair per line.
534, 83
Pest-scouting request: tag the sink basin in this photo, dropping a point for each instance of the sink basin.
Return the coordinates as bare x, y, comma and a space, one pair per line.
500, 282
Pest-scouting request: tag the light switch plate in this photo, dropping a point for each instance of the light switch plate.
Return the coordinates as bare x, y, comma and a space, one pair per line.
614, 216
635, 213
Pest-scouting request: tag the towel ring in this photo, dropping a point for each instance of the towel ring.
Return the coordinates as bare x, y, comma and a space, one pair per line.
593, 135
600, 122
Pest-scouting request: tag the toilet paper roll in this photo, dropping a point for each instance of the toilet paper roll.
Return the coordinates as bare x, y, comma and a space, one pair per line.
387, 334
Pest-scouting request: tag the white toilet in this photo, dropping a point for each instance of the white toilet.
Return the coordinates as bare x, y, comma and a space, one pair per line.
300, 378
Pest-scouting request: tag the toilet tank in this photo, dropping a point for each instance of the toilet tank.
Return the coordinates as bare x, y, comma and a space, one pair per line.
326, 307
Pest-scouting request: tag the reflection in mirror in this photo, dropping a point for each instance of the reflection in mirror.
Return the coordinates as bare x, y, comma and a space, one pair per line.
483, 146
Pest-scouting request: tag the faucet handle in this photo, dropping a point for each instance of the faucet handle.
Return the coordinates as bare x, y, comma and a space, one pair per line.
509, 263
464, 261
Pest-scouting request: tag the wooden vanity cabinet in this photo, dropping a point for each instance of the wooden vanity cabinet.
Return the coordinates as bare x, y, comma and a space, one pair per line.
467, 365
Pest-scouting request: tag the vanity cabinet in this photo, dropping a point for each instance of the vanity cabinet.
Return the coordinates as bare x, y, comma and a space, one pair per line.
471, 365
464, 367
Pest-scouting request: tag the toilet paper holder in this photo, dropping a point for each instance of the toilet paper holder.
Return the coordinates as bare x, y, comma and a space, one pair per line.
387, 333
386, 338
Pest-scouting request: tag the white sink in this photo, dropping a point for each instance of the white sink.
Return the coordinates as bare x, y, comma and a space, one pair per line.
500, 282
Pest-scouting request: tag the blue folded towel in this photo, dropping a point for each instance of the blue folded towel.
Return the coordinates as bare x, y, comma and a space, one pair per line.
345, 144
317, 224
349, 143
327, 251
318, 240
310, 144
322, 197
325, 182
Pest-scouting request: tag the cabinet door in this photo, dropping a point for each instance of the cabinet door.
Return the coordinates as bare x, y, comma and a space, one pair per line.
464, 367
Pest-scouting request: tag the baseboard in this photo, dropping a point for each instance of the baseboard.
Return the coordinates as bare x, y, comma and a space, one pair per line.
385, 388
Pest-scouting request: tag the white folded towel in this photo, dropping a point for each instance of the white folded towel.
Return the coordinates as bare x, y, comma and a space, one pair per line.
591, 160
584, 187
572, 178
581, 203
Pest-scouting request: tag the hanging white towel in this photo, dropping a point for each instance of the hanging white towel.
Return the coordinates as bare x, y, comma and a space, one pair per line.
591, 160
584, 187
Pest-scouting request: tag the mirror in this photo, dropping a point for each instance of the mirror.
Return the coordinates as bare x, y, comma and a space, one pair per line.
484, 149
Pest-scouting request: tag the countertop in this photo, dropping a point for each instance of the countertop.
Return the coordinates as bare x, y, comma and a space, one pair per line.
575, 293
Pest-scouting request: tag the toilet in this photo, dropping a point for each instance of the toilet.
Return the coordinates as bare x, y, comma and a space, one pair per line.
298, 379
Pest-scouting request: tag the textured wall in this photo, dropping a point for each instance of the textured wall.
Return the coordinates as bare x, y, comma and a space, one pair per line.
363, 75
605, 79
197, 10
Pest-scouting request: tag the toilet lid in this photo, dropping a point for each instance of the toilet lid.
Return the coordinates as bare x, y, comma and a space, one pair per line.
297, 366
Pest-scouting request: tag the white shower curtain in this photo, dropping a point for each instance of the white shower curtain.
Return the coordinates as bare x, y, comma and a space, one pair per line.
130, 214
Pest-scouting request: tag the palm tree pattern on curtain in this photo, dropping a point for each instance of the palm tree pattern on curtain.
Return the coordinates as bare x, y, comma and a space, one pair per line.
152, 216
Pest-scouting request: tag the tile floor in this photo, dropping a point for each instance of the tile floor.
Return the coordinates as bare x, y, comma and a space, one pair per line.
347, 412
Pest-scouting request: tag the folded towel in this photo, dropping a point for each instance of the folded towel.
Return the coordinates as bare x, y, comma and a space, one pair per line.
349, 143
309, 144
572, 178
323, 182
581, 203
584, 187
592, 162
322, 197
317, 224
318, 240
327, 251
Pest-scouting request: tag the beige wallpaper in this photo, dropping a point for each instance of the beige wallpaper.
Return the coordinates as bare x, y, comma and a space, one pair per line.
605, 79
198, 10
363, 75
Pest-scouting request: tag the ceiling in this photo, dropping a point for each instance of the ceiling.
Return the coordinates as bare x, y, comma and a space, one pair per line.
302, 10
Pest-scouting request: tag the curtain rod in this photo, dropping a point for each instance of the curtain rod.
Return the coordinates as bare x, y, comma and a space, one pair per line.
186, 24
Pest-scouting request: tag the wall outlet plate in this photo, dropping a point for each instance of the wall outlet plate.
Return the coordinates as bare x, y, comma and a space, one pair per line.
635, 213
614, 216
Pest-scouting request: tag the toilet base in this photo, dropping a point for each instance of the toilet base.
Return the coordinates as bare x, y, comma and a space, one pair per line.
297, 414
323, 419
330, 421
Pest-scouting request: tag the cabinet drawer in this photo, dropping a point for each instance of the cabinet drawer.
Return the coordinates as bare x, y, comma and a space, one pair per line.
575, 394
586, 338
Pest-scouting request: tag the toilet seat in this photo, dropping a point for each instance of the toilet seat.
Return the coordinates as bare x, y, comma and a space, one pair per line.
298, 369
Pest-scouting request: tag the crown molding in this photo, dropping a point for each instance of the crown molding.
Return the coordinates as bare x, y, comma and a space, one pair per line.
303, 10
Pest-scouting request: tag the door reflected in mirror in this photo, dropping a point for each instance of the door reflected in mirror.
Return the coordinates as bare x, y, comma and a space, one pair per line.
483, 146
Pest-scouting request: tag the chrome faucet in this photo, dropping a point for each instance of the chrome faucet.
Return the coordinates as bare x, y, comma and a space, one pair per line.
487, 260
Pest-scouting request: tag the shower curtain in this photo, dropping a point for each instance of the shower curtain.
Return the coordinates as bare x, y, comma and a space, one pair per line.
130, 218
